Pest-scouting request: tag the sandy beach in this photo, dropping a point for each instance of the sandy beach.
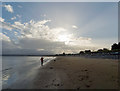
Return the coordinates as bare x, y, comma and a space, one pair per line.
77, 73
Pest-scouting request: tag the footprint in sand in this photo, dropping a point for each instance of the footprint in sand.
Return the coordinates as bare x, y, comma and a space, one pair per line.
87, 76
90, 81
61, 84
58, 84
53, 80
82, 70
81, 79
85, 70
87, 86
51, 67
78, 88
46, 86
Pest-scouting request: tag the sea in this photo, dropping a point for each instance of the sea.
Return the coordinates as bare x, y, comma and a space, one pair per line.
20, 68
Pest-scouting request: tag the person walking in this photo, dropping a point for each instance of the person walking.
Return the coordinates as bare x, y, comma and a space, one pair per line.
41, 61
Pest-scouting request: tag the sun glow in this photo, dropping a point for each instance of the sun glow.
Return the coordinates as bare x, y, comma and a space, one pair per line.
63, 38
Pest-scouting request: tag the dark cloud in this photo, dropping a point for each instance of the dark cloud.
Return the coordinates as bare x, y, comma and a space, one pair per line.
33, 43
30, 46
33, 46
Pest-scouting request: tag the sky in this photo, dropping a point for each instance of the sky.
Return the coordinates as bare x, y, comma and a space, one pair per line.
52, 28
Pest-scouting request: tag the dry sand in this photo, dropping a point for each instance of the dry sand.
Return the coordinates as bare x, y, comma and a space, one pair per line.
78, 73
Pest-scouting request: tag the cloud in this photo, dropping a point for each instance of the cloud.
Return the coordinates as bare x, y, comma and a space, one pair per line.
74, 27
33, 43
9, 8
19, 16
37, 37
6, 26
51, 46
1, 19
9, 47
13, 18
4, 37
44, 15
19, 6
40, 30
7, 44
37, 46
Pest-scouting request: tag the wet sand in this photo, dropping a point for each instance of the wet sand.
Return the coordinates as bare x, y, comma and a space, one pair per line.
19, 72
77, 73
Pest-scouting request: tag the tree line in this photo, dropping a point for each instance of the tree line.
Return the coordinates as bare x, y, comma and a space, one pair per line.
115, 48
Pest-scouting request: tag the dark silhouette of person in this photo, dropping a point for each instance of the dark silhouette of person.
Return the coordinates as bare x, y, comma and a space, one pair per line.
41, 61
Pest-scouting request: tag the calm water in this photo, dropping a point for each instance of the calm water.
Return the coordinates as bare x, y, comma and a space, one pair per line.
16, 69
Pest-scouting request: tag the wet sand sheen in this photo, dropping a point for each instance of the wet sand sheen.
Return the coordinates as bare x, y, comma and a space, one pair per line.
19, 72
78, 73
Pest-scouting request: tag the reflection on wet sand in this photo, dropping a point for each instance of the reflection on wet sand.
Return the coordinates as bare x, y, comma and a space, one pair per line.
18, 72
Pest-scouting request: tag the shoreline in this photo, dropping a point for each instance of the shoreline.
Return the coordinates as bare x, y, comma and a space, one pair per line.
21, 74
77, 73
70, 73
114, 57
